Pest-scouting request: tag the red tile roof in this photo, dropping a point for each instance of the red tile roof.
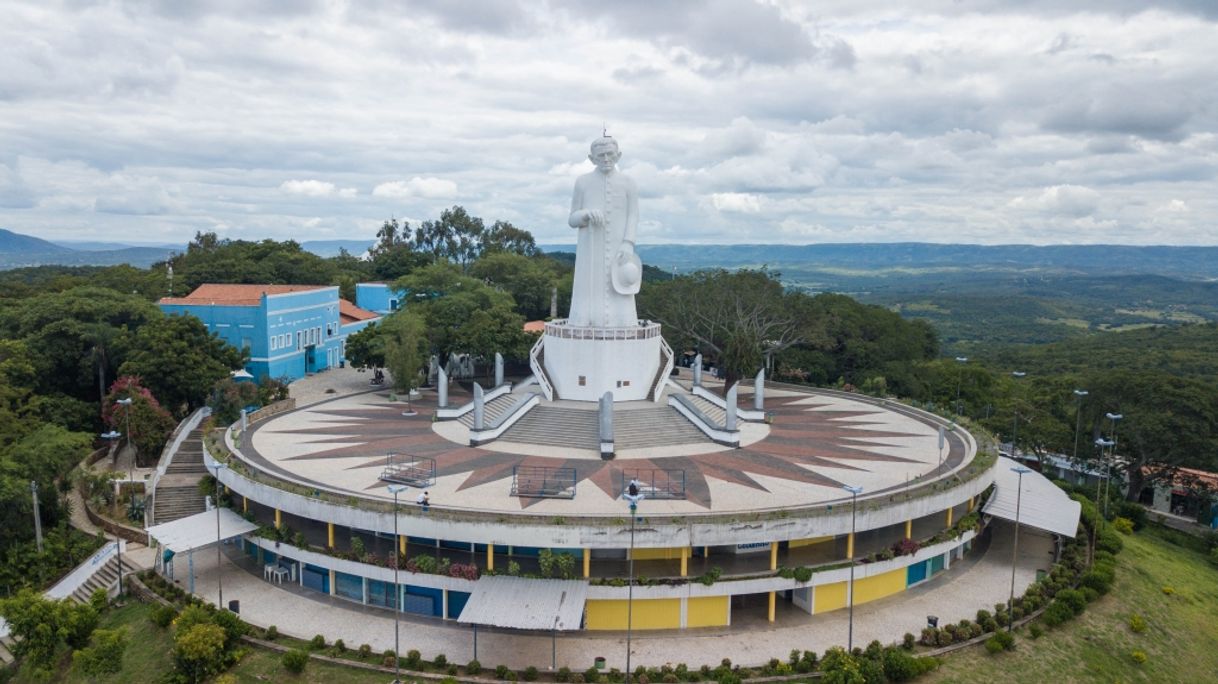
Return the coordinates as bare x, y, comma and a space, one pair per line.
535, 327
349, 313
236, 295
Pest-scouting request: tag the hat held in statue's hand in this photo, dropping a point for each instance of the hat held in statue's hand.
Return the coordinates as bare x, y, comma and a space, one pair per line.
627, 273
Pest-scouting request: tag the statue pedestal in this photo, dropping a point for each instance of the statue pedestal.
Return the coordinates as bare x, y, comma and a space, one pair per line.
584, 363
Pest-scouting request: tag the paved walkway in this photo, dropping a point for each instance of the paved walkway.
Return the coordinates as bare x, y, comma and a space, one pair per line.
975, 583
335, 382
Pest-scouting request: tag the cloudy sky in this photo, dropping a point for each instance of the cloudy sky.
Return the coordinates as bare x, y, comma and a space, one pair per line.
984, 121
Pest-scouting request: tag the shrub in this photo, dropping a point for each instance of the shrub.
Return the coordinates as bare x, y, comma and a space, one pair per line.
1073, 598
563, 674
1123, 525
803, 574
530, 674
908, 641
592, 675
930, 636
1036, 631
198, 651
992, 645
899, 666
414, 659
317, 643
365, 650
162, 616
1137, 623
105, 656
840, 667
294, 661
1057, 613
1109, 541
339, 646
1139, 657
1168, 590
272, 633
473, 667
440, 661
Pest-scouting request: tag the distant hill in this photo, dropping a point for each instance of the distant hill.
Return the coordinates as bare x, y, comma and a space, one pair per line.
17, 250
329, 248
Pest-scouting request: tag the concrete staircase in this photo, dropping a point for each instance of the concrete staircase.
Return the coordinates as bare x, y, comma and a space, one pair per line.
7, 643
492, 410
105, 578
556, 426
653, 427
718, 415
177, 493
633, 428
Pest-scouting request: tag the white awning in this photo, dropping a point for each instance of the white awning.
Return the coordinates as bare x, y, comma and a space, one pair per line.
199, 530
1043, 505
519, 603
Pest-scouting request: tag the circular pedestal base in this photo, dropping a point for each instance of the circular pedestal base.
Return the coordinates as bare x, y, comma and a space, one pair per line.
584, 363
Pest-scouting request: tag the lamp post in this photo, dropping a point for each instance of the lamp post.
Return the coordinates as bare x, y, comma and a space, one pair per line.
854, 497
126, 404
1015, 410
1020, 470
1078, 418
111, 436
396, 489
634, 505
1112, 418
959, 381
219, 562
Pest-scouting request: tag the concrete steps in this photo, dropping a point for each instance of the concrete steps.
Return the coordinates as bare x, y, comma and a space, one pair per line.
493, 410
710, 410
556, 426
177, 494
635, 428
105, 578
653, 427
6, 650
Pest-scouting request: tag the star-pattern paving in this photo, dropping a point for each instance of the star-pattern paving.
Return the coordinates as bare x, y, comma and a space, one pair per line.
809, 442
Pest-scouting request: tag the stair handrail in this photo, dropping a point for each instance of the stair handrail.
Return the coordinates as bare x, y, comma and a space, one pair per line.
539, 368
180, 433
515, 411
749, 415
490, 395
661, 381
717, 433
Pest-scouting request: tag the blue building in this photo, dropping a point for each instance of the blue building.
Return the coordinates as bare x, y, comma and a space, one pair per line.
381, 298
289, 330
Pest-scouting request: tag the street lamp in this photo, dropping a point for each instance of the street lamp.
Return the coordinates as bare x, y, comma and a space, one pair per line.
111, 436
1020, 470
959, 380
854, 496
1015, 410
1078, 418
126, 403
396, 489
219, 563
1112, 419
1099, 483
634, 506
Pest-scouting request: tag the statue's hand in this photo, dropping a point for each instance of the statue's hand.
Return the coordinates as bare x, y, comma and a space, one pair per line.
594, 217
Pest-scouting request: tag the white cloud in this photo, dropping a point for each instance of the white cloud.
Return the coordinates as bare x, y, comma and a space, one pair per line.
742, 202
847, 120
430, 188
308, 188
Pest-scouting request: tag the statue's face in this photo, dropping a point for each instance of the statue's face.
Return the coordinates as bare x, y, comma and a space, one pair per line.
605, 157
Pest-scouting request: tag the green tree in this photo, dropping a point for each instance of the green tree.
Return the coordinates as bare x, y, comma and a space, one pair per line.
180, 361
198, 651
147, 427
366, 348
530, 281
44, 455
405, 341
463, 314
104, 656
456, 236
504, 237
736, 317
41, 625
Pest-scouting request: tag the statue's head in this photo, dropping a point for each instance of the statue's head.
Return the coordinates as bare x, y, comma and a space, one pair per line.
604, 153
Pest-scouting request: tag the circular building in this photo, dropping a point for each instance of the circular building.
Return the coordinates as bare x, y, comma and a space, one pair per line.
829, 499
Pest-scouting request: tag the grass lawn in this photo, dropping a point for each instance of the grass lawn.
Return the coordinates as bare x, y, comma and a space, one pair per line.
146, 657
264, 666
1180, 640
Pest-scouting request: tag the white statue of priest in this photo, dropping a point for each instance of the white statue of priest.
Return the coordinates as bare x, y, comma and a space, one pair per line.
605, 210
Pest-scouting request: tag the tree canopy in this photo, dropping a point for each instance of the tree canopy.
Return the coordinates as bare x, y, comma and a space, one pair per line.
179, 361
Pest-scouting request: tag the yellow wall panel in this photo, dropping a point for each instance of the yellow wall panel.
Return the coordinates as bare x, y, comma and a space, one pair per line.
706, 611
648, 614
658, 554
605, 615
872, 588
828, 597
796, 543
